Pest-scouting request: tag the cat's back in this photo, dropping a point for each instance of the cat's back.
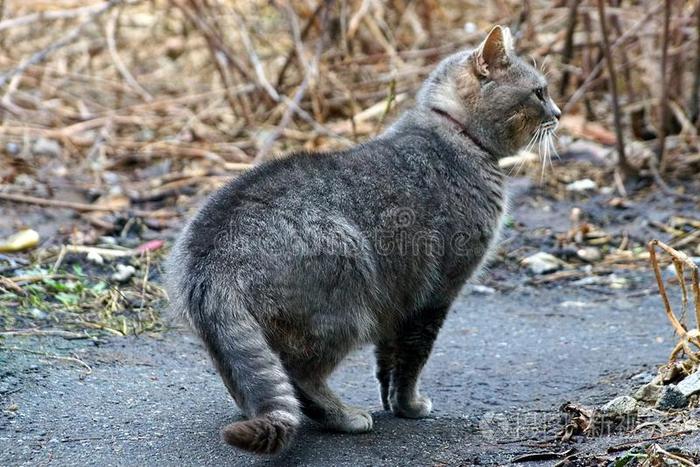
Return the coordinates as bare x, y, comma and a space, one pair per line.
364, 178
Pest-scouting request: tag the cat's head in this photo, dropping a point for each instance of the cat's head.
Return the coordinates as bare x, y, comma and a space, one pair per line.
494, 94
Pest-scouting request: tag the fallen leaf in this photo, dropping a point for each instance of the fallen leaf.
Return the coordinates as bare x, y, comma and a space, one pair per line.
22, 240
579, 127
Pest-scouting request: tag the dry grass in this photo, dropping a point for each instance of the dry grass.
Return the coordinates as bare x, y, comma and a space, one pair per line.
125, 111
204, 86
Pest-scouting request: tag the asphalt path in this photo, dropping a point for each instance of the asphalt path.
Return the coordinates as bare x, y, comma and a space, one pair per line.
502, 366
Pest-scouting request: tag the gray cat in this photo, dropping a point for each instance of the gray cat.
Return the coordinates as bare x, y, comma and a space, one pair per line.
299, 261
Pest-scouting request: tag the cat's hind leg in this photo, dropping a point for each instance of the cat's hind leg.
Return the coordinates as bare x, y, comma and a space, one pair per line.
321, 404
414, 342
385, 354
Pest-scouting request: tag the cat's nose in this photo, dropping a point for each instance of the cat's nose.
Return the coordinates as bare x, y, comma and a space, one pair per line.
555, 109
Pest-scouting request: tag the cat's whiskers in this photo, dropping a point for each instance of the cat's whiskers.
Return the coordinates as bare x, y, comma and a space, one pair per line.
550, 148
544, 139
519, 165
542, 147
533, 139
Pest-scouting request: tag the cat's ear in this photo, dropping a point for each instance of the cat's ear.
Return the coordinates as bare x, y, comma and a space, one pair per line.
494, 52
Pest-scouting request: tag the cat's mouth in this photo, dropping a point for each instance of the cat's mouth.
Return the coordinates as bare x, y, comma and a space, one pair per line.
543, 140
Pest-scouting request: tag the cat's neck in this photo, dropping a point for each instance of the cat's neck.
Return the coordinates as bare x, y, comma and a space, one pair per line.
450, 127
465, 131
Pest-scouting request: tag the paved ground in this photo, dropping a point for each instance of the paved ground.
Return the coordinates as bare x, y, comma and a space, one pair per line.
503, 365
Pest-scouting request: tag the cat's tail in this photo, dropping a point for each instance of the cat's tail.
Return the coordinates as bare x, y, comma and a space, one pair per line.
251, 370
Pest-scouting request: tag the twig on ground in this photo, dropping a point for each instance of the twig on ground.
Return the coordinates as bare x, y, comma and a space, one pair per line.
680, 260
626, 446
82, 207
51, 356
11, 285
663, 186
46, 332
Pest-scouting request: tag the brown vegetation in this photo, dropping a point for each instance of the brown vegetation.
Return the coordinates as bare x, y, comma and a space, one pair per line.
93, 90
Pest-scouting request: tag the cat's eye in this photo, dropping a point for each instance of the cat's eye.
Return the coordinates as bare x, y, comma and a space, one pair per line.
539, 92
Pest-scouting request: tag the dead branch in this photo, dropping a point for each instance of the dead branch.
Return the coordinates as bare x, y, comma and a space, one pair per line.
624, 166
694, 105
51, 15
663, 120
68, 38
663, 186
110, 32
680, 260
585, 86
568, 44
310, 73
81, 207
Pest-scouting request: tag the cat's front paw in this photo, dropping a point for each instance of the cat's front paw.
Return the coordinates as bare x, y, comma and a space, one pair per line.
416, 407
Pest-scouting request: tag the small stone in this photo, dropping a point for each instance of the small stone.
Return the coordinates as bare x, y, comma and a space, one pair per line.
620, 203
95, 257
648, 393
588, 151
575, 215
672, 372
585, 184
482, 289
671, 398
612, 280
617, 282
13, 148
108, 240
542, 263
123, 273
690, 385
37, 313
590, 254
644, 377
46, 147
574, 304
620, 406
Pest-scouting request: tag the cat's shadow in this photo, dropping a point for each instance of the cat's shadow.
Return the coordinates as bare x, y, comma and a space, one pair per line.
312, 446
